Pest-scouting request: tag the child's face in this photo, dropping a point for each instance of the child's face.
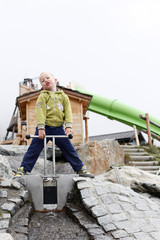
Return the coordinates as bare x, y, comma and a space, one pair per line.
47, 81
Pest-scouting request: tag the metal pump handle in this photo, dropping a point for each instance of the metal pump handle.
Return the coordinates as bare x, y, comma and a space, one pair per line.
70, 136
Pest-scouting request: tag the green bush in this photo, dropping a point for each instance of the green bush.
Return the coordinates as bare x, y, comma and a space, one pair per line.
126, 159
153, 149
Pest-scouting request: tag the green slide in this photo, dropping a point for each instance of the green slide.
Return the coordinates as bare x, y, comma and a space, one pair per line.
115, 110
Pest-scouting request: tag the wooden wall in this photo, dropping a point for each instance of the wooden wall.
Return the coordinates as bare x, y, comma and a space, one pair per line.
77, 114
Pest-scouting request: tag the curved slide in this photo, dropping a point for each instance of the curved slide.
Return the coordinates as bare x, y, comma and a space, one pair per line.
115, 110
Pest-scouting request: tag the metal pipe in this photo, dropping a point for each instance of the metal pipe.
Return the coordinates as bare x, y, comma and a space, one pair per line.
45, 155
53, 159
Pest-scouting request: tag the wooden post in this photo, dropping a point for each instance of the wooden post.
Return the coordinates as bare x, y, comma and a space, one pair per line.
23, 135
13, 131
136, 135
148, 129
19, 122
86, 129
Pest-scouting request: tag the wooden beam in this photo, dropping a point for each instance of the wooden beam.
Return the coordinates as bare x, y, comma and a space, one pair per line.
23, 141
86, 129
152, 134
136, 135
148, 129
151, 122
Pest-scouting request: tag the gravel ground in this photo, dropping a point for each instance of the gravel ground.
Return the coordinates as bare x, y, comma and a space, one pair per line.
55, 225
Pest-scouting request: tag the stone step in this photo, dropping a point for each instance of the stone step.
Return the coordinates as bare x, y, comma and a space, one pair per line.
136, 153
141, 158
134, 150
153, 172
147, 163
128, 146
148, 168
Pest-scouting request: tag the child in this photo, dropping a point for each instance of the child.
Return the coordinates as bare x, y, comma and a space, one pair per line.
53, 110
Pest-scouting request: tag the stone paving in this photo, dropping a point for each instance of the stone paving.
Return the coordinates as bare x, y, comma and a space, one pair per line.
108, 211
15, 209
120, 212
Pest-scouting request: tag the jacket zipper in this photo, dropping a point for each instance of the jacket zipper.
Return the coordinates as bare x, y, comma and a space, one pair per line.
54, 121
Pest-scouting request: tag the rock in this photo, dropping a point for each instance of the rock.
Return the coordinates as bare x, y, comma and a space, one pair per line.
14, 150
98, 156
6, 152
3, 194
152, 189
25, 195
5, 236
58, 154
90, 202
4, 224
129, 175
16, 184
98, 211
19, 223
6, 183
5, 168
9, 207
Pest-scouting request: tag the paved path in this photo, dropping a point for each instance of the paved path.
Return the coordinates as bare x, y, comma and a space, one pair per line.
120, 212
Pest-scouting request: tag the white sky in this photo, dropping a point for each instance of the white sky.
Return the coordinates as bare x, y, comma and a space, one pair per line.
111, 47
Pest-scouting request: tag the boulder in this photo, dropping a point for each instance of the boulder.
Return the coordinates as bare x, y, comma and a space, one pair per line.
99, 156
152, 189
6, 152
128, 175
5, 236
5, 168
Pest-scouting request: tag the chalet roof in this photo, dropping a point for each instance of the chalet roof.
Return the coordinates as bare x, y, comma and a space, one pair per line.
84, 98
127, 136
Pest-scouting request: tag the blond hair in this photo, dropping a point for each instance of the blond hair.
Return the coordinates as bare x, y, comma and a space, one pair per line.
46, 73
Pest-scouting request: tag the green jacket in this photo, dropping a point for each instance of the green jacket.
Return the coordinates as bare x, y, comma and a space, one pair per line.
53, 109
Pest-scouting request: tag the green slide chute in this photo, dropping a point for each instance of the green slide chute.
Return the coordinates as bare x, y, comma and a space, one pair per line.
115, 110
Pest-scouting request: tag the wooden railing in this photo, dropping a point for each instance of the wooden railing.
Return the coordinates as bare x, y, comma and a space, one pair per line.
148, 131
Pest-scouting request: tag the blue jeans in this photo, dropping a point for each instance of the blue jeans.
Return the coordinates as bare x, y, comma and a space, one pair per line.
64, 144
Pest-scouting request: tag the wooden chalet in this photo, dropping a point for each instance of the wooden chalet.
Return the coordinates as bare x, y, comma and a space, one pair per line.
25, 121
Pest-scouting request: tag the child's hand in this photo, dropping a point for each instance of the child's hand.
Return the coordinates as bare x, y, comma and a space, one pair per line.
68, 130
41, 133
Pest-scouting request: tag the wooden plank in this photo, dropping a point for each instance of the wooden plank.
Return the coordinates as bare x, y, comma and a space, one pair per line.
152, 134
136, 135
17, 141
86, 129
148, 129
151, 122
6, 142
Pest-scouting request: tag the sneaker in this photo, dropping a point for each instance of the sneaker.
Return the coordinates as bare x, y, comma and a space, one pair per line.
20, 172
83, 172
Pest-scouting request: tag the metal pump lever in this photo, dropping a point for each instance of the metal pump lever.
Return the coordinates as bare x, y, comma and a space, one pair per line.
70, 136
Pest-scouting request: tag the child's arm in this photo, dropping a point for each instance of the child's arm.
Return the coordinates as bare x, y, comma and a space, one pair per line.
41, 116
68, 114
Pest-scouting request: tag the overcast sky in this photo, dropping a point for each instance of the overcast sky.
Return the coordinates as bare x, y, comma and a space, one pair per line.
111, 47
